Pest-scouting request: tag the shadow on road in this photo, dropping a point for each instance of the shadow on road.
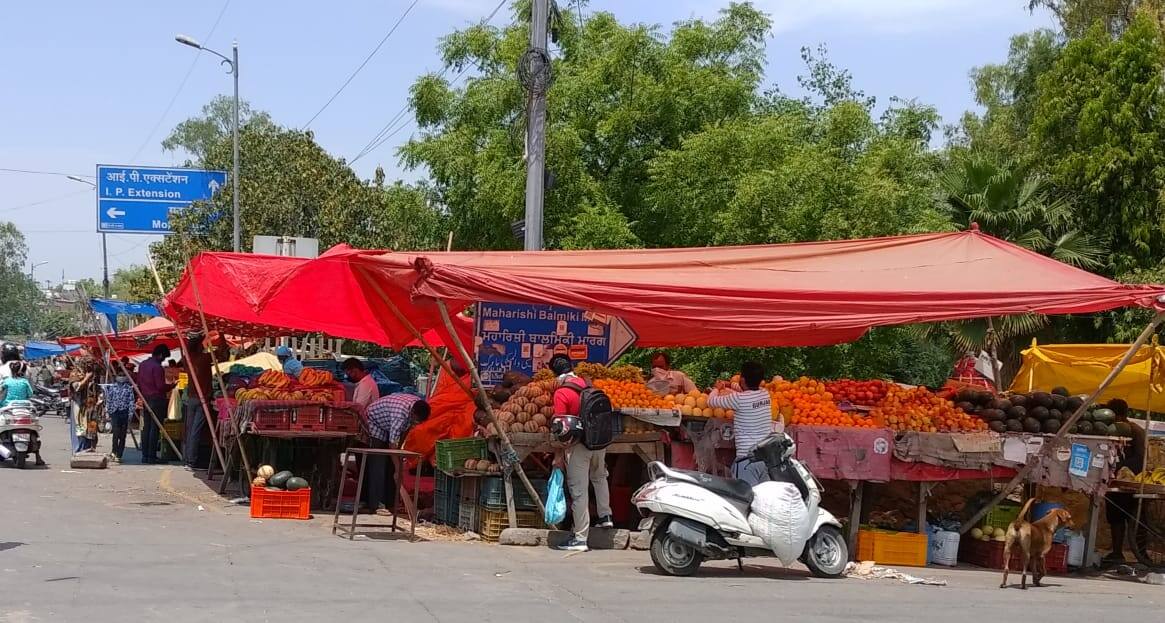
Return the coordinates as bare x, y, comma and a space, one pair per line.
750, 571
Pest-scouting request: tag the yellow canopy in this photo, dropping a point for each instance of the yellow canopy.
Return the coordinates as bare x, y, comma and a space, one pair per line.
261, 359
1081, 367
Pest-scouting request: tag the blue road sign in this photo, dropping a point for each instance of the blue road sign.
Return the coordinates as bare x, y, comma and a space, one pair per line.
139, 200
523, 338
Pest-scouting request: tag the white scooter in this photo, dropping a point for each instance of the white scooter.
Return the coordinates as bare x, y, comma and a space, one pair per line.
19, 432
694, 516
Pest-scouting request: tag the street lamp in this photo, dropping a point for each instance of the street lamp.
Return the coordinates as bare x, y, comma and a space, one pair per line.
32, 269
233, 67
104, 251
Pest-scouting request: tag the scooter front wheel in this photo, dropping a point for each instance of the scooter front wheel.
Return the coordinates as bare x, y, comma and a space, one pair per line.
826, 553
21, 459
673, 556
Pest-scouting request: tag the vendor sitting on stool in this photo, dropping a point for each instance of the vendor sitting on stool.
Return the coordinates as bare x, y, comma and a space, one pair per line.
1120, 508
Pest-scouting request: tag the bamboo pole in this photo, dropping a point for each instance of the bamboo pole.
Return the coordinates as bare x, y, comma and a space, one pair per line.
198, 389
1148, 420
221, 385
508, 448
145, 403
996, 365
413, 329
1049, 445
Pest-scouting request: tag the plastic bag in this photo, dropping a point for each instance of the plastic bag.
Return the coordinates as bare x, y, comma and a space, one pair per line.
555, 499
779, 517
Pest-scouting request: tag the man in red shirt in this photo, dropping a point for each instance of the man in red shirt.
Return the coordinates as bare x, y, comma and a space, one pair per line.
584, 467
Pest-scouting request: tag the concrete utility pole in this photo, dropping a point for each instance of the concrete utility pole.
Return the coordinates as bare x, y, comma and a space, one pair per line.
534, 72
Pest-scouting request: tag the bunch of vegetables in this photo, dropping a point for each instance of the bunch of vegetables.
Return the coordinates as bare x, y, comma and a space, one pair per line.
313, 385
1040, 412
284, 480
918, 409
597, 371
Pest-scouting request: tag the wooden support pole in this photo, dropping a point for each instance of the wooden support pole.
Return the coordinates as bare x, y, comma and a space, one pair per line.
996, 365
192, 444
508, 448
408, 325
213, 425
1050, 445
857, 492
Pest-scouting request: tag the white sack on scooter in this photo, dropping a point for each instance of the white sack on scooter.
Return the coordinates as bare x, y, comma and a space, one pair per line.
779, 517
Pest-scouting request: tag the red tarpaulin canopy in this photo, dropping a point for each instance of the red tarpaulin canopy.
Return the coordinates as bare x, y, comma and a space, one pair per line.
140, 339
266, 295
770, 295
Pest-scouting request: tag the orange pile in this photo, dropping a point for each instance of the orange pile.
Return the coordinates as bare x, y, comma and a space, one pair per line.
805, 402
920, 410
631, 394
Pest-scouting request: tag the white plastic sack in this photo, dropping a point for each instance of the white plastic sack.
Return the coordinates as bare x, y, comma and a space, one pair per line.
779, 517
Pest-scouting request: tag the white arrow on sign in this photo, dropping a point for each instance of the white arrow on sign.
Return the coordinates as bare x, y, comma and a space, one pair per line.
213, 186
114, 212
623, 337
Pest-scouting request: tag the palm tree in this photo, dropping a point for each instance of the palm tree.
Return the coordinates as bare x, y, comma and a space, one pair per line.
1010, 203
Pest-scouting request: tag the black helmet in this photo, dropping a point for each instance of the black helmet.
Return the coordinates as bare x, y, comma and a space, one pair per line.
9, 352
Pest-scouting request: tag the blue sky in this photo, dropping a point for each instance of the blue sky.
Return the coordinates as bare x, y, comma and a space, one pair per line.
88, 82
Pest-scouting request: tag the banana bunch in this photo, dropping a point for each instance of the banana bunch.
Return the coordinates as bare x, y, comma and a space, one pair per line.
262, 393
315, 378
1155, 477
275, 379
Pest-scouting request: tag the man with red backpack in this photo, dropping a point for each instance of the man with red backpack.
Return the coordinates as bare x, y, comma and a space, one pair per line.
580, 413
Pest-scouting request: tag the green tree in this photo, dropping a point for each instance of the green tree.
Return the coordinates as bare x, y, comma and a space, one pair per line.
58, 323
290, 186
1076, 17
1097, 132
20, 298
134, 283
198, 135
620, 95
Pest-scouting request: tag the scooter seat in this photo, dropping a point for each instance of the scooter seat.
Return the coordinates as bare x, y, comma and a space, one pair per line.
728, 487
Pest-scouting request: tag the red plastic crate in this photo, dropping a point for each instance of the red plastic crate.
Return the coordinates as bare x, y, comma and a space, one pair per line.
271, 419
278, 504
308, 418
341, 420
989, 554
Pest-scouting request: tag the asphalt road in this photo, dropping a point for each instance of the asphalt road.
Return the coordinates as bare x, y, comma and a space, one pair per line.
131, 544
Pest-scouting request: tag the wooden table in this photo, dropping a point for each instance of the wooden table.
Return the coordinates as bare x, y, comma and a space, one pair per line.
397, 457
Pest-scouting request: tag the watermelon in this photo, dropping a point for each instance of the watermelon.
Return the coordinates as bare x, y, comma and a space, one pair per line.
1051, 425
1019, 400
1074, 403
1039, 413
1061, 391
997, 426
966, 407
1000, 404
280, 479
1041, 399
1100, 428
1031, 425
295, 483
1084, 427
1017, 412
1055, 414
1059, 402
1075, 429
1014, 426
1106, 416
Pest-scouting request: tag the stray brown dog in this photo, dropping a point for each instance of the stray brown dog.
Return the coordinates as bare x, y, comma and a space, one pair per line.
1035, 538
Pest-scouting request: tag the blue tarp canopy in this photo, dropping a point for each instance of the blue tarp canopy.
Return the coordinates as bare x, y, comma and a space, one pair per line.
40, 350
111, 309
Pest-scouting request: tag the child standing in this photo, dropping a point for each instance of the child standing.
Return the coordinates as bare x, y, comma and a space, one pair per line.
119, 403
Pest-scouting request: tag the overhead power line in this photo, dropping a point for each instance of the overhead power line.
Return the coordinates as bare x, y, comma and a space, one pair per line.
388, 131
181, 85
33, 172
362, 64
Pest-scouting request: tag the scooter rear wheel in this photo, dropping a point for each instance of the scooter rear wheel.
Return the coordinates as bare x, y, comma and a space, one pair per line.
673, 556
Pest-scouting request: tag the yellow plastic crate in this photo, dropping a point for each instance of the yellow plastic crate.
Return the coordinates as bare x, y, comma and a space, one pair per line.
493, 522
892, 548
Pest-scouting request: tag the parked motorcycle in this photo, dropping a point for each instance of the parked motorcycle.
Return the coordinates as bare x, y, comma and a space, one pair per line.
19, 432
45, 399
694, 516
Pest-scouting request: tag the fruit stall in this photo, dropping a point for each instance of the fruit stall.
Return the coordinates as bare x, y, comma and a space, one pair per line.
828, 293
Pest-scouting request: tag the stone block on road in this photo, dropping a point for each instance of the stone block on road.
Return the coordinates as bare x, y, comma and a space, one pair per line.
1156, 579
607, 538
89, 461
528, 537
641, 540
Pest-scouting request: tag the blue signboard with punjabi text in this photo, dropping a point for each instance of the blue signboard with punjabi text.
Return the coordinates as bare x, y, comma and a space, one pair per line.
523, 337
139, 200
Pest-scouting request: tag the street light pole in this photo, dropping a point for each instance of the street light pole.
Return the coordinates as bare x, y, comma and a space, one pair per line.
233, 67
104, 251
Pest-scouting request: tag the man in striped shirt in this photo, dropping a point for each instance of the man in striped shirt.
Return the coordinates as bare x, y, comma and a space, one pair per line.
753, 421
389, 420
